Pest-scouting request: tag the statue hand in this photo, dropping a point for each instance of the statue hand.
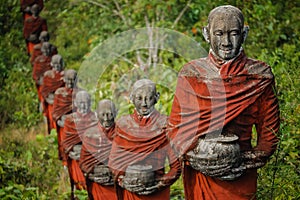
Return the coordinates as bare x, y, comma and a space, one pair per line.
50, 98
74, 155
151, 189
254, 159
132, 185
40, 81
33, 38
61, 121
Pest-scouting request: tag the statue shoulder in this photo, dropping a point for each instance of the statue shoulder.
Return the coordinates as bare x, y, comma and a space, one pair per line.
124, 121
193, 68
49, 73
258, 67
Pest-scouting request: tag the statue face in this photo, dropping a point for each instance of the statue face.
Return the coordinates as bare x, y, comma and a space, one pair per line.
106, 114
225, 36
144, 99
70, 82
83, 103
46, 49
57, 64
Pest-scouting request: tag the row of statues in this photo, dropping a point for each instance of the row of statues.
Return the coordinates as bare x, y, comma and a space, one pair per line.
207, 137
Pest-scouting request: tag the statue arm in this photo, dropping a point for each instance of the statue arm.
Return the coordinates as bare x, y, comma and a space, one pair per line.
267, 127
175, 168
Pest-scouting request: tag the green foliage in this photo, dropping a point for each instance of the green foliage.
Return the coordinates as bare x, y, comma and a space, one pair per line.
29, 169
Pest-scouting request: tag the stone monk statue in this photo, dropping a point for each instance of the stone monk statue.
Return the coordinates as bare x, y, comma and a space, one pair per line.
218, 100
52, 80
44, 37
62, 106
25, 7
41, 65
96, 147
140, 149
33, 26
75, 125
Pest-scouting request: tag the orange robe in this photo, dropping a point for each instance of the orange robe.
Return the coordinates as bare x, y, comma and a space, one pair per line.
95, 151
33, 25
142, 141
37, 52
41, 65
75, 125
62, 105
212, 95
52, 80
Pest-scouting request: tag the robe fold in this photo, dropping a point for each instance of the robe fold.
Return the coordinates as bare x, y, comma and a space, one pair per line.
33, 25
41, 65
37, 52
96, 147
223, 96
62, 105
52, 80
142, 141
75, 125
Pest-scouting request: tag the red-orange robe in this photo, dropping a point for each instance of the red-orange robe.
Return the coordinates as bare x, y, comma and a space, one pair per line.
33, 25
37, 52
41, 65
212, 95
25, 3
52, 80
142, 141
62, 105
95, 151
75, 125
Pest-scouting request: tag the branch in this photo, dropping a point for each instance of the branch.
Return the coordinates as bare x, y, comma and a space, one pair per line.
118, 12
150, 36
181, 14
140, 61
96, 3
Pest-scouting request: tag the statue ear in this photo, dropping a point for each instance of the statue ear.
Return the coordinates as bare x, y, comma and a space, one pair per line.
205, 33
245, 32
157, 95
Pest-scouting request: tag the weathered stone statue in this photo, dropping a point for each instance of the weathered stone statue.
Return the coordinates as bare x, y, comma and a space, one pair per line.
52, 80
62, 106
26, 7
44, 37
75, 125
41, 65
96, 147
217, 102
140, 149
33, 26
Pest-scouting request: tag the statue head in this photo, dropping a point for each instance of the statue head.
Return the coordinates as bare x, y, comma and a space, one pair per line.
225, 31
70, 78
35, 10
44, 36
46, 48
144, 96
57, 62
106, 113
83, 102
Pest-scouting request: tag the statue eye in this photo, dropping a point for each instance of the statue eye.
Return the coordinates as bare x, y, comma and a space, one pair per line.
218, 33
234, 33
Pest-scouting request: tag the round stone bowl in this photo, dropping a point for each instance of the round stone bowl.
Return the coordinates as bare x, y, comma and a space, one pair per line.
139, 175
217, 157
